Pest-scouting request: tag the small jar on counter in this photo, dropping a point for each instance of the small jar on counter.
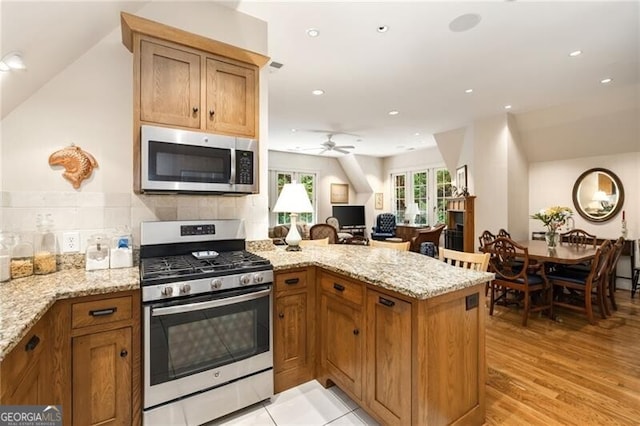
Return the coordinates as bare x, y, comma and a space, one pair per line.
44, 259
21, 258
97, 256
6, 241
121, 255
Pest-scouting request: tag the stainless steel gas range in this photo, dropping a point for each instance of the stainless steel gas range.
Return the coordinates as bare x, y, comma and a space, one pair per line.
207, 324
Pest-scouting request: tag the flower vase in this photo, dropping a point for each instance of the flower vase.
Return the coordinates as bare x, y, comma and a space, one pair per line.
552, 238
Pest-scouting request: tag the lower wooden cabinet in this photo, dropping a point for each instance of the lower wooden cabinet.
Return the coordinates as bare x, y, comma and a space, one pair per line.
101, 378
341, 333
388, 358
294, 329
83, 354
25, 372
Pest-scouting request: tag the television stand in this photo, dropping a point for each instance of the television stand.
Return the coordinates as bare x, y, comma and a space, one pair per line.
355, 230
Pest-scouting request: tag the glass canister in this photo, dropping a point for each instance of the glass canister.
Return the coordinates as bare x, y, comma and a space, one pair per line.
21, 258
121, 255
97, 256
44, 259
6, 242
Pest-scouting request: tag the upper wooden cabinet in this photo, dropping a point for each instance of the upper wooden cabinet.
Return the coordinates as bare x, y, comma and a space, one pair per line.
169, 85
185, 80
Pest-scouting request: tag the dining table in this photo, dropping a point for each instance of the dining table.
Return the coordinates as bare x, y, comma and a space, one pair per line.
563, 253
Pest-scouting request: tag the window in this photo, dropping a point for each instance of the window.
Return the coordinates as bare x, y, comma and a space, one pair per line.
277, 180
427, 188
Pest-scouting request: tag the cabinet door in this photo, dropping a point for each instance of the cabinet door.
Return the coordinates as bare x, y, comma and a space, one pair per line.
102, 378
33, 389
169, 85
290, 332
341, 349
231, 99
388, 365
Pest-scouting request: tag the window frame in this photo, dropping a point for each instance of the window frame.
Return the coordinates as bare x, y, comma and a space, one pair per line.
432, 208
274, 192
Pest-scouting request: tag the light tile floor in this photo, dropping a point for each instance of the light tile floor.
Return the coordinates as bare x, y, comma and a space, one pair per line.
306, 405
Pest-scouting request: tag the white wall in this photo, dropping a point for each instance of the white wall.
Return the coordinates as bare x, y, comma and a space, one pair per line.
518, 183
90, 104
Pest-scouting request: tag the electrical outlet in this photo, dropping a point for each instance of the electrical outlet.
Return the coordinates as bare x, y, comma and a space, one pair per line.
71, 242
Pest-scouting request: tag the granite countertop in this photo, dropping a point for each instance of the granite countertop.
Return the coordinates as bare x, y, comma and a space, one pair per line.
408, 273
24, 301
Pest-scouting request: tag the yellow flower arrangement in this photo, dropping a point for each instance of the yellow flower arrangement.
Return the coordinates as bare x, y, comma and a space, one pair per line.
553, 217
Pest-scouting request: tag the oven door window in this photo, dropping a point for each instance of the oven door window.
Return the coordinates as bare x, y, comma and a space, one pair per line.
172, 162
186, 343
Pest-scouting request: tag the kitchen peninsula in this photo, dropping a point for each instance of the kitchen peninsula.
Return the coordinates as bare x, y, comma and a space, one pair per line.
401, 333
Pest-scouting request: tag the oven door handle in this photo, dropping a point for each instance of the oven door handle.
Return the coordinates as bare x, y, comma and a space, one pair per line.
178, 309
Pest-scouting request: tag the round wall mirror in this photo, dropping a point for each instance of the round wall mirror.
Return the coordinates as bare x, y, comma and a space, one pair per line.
598, 195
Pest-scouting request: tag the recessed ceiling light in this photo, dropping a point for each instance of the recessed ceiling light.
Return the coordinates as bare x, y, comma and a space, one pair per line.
12, 61
606, 80
417, 134
382, 29
294, 130
318, 92
507, 107
575, 53
464, 22
394, 112
468, 91
312, 32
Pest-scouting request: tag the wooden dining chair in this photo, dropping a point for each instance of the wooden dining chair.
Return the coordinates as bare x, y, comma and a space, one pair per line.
323, 230
402, 246
485, 238
504, 233
609, 291
569, 285
579, 237
510, 263
315, 243
461, 259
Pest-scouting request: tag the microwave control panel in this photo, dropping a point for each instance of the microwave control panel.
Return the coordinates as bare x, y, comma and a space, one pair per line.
244, 167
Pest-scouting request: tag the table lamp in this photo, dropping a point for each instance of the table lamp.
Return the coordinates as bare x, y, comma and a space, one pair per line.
293, 199
412, 211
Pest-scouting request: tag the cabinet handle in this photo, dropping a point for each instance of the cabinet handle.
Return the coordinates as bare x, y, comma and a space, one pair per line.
281, 315
123, 353
338, 287
386, 302
211, 113
356, 332
195, 110
32, 343
103, 312
291, 281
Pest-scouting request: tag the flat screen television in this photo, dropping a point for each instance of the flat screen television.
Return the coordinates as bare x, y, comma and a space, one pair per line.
349, 216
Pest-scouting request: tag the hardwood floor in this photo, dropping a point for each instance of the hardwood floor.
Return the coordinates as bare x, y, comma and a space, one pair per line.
564, 373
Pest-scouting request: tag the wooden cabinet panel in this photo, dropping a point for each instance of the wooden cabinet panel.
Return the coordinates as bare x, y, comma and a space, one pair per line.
341, 347
388, 358
460, 232
170, 85
102, 378
232, 99
103, 311
294, 328
344, 289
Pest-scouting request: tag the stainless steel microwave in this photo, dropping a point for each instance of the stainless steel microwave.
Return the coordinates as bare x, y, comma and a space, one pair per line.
183, 161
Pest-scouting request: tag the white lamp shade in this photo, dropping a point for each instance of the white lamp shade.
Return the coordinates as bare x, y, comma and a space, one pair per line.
293, 199
413, 209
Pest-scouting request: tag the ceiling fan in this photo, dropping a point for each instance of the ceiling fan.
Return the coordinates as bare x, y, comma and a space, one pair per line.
330, 145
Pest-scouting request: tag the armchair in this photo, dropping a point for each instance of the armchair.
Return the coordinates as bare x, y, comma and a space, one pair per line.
385, 227
431, 235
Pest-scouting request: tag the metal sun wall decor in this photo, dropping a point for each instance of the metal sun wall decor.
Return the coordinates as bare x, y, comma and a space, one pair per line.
78, 164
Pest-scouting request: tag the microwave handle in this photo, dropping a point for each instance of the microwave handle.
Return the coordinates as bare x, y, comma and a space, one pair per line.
232, 178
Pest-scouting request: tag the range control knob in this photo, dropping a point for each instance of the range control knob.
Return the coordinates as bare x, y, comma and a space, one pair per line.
166, 291
216, 284
245, 279
185, 288
258, 278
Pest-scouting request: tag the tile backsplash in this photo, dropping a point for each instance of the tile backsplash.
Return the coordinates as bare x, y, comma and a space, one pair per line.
95, 212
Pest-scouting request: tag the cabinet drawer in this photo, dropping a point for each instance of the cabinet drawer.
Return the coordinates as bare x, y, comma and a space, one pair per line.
25, 355
343, 288
291, 280
84, 314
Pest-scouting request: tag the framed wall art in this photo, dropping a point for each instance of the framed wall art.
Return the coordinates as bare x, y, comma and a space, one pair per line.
379, 203
339, 193
461, 177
